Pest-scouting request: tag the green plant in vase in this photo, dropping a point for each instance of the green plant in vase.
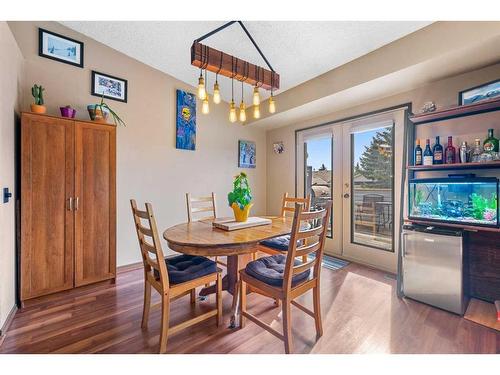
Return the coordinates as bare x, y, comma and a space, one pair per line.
99, 113
38, 105
241, 197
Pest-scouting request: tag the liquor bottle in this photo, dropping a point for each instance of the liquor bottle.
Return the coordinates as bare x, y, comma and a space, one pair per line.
437, 151
490, 144
418, 153
449, 152
427, 153
464, 153
477, 150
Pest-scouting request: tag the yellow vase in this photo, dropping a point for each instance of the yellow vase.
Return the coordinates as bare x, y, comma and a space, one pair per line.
241, 214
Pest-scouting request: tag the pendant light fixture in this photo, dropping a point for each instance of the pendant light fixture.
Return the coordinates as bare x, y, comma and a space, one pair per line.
272, 104
205, 109
202, 93
216, 84
256, 96
243, 115
232, 106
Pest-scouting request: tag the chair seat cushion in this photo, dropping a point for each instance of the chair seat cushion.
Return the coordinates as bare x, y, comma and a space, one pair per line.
279, 243
271, 269
183, 268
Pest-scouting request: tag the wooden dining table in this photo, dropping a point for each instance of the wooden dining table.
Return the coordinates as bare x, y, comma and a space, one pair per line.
202, 238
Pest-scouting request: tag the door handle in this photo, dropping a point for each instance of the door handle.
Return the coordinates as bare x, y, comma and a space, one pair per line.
70, 204
77, 200
403, 251
346, 195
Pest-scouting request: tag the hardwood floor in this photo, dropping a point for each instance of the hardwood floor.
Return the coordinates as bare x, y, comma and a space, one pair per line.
361, 314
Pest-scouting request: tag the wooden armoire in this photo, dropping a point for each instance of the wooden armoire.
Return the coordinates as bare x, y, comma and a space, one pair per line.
68, 204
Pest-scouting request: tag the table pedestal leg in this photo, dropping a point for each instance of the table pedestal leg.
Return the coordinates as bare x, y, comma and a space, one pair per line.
234, 264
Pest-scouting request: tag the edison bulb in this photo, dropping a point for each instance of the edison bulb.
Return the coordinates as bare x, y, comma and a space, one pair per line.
272, 105
202, 93
232, 112
205, 109
256, 96
256, 111
243, 114
216, 93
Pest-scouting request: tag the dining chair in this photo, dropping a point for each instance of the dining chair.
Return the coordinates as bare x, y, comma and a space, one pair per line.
201, 205
285, 278
172, 277
279, 245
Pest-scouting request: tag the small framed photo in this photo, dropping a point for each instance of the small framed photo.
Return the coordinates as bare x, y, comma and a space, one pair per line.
278, 147
486, 91
247, 154
111, 87
60, 48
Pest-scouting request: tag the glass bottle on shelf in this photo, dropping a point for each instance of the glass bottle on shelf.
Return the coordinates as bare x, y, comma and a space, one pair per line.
477, 150
437, 151
418, 153
464, 153
450, 152
490, 144
427, 159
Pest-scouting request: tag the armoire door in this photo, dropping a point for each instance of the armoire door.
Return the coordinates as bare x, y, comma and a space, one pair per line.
95, 219
47, 185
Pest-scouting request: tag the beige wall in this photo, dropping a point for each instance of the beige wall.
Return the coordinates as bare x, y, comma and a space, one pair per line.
10, 76
149, 167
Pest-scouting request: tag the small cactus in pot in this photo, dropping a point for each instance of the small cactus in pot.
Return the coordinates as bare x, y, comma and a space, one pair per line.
37, 93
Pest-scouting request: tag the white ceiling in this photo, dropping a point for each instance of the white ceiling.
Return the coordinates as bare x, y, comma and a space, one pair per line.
298, 51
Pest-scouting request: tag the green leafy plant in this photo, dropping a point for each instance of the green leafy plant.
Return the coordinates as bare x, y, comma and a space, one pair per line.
419, 197
241, 194
480, 204
104, 106
37, 93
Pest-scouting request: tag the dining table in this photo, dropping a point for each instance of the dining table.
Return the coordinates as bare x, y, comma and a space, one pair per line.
202, 238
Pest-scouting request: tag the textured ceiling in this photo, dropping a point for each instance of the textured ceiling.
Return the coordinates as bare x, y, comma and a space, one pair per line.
298, 51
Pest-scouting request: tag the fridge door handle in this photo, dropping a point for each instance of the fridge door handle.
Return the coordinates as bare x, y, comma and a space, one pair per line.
403, 251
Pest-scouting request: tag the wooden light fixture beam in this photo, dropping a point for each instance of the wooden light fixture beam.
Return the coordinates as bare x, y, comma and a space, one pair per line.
203, 56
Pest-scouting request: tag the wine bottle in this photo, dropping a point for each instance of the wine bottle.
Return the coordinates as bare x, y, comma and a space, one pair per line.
418, 153
490, 144
437, 151
449, 152
428, 153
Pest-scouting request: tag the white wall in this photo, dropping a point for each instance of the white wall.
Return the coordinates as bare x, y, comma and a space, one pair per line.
10, 75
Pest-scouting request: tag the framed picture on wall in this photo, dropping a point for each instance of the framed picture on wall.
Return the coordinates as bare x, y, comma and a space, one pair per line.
486, 91
60, 48
247, 154
185, 121
111, 87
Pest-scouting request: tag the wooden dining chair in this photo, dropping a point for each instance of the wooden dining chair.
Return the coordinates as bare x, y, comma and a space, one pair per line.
197, 207
279, 245
171, 277
285, 278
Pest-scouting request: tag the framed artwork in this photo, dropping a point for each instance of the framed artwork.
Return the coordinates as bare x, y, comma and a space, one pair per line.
60, 48
278, 147
112, 87
480, 93
247, 154
185, 121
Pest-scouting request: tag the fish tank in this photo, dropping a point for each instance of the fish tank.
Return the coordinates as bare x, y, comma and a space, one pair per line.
458, 200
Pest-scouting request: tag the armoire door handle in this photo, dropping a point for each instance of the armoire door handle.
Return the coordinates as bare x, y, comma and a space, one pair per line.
70, 204
77, 200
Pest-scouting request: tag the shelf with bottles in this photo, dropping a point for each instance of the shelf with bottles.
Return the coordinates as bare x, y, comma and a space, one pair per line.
482, 155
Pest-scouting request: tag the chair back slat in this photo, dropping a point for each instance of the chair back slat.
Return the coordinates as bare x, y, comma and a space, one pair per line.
305, 240
286, 200
196, 205
152, 253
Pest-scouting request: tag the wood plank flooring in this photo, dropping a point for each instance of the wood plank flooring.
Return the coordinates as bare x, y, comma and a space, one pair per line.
361, 314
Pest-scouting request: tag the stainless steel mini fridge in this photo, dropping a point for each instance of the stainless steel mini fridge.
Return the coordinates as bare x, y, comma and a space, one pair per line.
433, 266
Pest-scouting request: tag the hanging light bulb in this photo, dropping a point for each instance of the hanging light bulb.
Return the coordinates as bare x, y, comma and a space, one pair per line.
272, 104
216, 92
202, 93
256, 111
256, 96
205, 109
243, 114
232, 112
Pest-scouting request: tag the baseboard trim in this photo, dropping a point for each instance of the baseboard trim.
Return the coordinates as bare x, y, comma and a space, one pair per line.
6, 325
129, 267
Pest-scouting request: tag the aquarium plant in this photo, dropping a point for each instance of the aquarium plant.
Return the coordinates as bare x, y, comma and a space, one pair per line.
241, 197
483, 208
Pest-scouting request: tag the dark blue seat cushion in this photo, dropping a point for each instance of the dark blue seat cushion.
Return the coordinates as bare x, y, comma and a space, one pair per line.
271, 270
279, 243
183, 268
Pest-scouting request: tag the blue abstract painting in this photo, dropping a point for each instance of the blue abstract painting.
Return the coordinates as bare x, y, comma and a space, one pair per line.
247, 154
186, 121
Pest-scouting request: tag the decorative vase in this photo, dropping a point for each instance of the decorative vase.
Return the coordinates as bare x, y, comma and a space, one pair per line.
241, 214
98, 115
67, 112
40, 109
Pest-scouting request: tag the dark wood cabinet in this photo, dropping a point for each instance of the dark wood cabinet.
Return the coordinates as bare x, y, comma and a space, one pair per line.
68, 221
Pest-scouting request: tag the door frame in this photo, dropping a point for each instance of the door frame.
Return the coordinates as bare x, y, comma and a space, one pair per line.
398, 211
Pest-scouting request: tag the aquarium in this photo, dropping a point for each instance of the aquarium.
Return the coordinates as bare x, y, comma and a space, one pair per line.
461, 200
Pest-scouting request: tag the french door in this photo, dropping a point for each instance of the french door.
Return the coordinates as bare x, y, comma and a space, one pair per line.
354, 164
